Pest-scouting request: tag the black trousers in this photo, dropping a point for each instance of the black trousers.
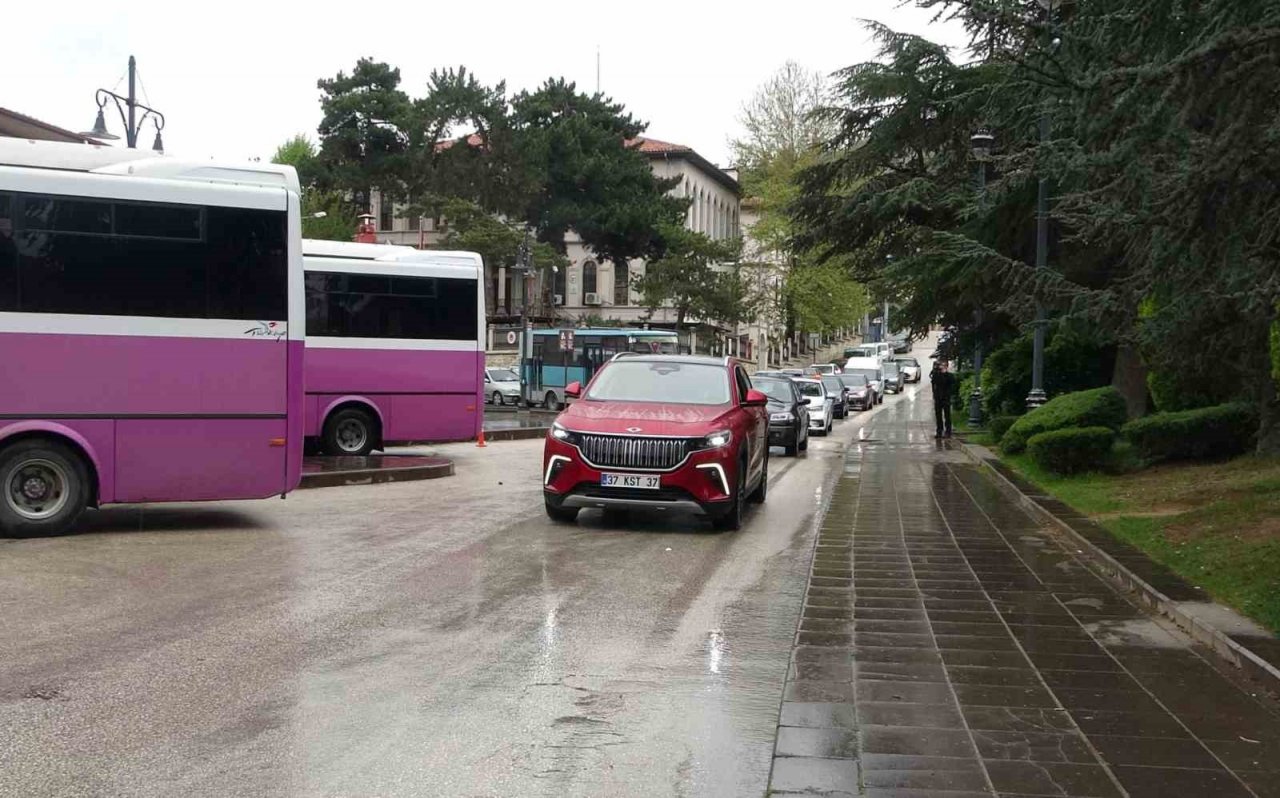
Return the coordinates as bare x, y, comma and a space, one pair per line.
942, 414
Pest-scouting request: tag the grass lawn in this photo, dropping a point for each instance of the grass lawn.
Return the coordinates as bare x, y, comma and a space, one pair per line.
1216, 524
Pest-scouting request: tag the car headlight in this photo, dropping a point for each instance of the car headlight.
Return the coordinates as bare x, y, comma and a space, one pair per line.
562, 433
716, 440
780, 417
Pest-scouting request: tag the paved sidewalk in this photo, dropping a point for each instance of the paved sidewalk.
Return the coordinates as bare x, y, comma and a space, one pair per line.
950, 647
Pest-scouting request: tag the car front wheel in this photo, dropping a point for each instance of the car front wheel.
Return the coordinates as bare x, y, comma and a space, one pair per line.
731, 519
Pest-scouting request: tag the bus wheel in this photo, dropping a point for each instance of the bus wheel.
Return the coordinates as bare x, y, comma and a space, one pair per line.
45, 485
550, 401
349, 431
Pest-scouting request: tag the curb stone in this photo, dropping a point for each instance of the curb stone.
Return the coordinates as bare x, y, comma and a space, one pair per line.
1202, 619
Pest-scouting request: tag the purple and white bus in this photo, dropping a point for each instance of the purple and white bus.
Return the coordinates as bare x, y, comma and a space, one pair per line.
395, 345
151, 331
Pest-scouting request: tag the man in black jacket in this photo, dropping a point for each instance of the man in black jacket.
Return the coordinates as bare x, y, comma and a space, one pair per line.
944, 388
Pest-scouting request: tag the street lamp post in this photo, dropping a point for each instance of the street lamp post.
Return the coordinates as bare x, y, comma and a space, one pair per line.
1037, 395
983, 142
522, 267
128, 107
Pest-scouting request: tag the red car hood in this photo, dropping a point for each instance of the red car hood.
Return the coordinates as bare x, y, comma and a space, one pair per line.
644, 418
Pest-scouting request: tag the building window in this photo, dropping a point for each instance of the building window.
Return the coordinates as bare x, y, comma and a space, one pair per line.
559, 282
621, 284
386, 212
589, 277
414, 222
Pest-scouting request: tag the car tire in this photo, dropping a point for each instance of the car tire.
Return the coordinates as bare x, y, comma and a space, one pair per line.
561, 515
350, 431
55, 467
550, 401
731, 519
497, 399
761, 492
804, 443
828, 429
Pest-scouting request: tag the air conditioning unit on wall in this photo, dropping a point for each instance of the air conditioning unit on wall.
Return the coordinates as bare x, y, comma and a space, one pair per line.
591, 299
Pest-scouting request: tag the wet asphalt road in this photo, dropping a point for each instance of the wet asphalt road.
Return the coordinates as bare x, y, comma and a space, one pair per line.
430, 638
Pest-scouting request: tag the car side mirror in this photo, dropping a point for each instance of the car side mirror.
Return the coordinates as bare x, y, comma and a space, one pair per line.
755, 399
573, 390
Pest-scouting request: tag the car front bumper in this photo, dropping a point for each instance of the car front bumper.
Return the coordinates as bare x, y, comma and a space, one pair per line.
700, 485
783, 435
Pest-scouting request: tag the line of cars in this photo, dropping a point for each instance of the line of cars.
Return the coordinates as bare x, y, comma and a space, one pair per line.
688, 433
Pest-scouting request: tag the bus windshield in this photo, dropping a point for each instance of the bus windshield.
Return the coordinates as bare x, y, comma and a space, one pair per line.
655, 345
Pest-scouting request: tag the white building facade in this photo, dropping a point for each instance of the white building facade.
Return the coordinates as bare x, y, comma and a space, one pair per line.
594, 288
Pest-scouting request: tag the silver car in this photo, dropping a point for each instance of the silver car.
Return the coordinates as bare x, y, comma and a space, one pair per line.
501, 386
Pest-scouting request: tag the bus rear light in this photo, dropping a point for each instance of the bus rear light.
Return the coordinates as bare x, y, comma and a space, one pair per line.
278, 441
471, 408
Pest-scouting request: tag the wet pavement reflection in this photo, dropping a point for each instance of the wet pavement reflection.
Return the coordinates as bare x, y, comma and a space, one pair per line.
951, 647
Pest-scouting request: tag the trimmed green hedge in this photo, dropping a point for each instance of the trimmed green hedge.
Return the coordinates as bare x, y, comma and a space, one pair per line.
999, 425
1071, 450
1100, 407
1219, 431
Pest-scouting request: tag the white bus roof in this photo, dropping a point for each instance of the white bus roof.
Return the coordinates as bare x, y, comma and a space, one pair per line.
319, 247
342, 256
100, 159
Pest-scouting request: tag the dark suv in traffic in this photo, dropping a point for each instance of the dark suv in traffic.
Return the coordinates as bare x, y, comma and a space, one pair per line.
660, 432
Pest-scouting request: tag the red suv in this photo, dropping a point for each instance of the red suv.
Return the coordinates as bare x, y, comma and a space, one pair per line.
663, 432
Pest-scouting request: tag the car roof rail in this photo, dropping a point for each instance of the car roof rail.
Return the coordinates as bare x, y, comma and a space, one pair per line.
621, 355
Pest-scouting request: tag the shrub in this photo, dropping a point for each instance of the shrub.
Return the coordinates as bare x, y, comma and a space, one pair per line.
1074, 361
1186, 389
1100, 407
1072, 450
1219, 431
999, 425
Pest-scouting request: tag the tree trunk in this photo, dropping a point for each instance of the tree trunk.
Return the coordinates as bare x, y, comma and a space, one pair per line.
1269, 420
1129, 377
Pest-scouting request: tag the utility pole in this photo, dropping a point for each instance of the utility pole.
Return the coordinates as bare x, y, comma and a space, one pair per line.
524, 254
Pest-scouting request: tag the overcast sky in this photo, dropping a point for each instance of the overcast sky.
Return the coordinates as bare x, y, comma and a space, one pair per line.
234, 78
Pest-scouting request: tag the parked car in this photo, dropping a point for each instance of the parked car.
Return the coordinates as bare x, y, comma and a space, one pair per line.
875, 377
501, 386
661, 432
893, 379
788, 413
863, 350
860, 393
821, 405
839, 394
824, 368
911, 371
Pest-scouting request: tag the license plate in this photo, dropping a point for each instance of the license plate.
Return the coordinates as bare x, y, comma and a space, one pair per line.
644, 481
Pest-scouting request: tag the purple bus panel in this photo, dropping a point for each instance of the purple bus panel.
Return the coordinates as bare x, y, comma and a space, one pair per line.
417, 394
163, 418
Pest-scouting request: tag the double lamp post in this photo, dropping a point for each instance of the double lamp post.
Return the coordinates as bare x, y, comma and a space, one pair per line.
128, 107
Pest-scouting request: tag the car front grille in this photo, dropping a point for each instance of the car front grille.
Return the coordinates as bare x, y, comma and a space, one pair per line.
623, 451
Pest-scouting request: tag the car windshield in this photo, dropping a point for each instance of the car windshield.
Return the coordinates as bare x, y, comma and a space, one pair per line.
868, 373
810, 388
503, 375
774, 389
891, 369
832, 383
909, 361
854, 380
661, 381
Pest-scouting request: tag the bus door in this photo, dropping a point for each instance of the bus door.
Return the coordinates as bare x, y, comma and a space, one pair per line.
594, 357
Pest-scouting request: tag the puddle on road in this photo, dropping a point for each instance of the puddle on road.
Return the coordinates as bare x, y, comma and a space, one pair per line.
1135, 633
